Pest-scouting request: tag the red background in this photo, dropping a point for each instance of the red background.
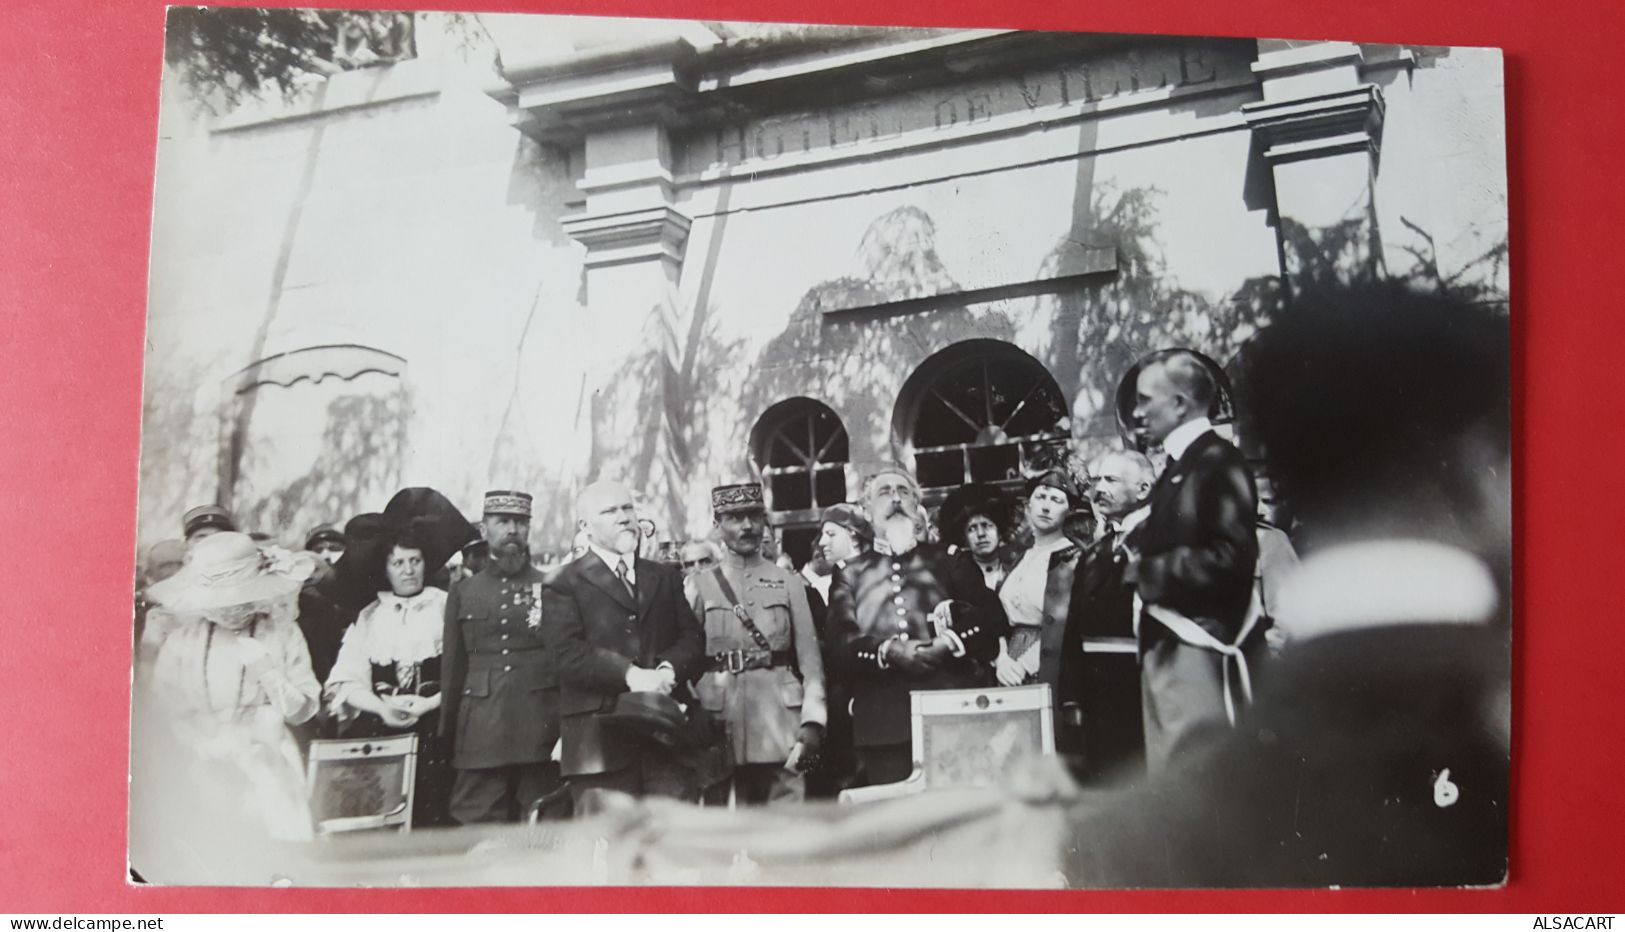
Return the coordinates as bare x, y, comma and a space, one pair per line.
78, 117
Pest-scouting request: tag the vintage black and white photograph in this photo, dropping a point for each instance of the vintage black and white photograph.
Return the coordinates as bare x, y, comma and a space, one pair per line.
607, 451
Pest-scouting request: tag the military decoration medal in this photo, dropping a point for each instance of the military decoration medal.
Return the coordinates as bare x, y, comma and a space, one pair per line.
534, 618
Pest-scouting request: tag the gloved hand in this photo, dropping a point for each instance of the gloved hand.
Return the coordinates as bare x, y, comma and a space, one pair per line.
809, 743
1008, 671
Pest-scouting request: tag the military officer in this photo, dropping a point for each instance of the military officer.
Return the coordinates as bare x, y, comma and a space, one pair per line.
765, 676
500, 688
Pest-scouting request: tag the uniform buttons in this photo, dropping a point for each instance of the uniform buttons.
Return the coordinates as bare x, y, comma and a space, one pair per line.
902, 624
507, 669
897, 568
902, 611
631, 618
504, 621
504, 637
504, 652
895, 577
897, 601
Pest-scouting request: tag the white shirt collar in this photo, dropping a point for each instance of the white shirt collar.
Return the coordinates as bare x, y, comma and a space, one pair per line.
1180, 438
613, 561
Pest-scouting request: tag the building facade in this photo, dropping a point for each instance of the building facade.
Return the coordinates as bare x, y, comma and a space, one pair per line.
681, 254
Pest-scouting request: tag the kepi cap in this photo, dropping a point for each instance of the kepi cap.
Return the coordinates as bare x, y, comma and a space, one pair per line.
737, 499
206, 516
504, 502
321, 533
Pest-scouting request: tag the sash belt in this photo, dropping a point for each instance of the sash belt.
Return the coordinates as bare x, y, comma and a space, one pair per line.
1195, 635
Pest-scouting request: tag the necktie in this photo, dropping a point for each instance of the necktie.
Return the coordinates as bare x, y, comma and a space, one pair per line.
625, 573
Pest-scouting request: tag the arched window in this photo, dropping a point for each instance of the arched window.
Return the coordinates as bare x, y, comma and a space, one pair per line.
980, 411
801, 449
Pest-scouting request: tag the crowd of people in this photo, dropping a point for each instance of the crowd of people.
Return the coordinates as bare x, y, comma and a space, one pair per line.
717, 672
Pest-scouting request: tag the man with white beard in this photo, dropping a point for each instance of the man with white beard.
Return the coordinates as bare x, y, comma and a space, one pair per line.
616, 623
905, 616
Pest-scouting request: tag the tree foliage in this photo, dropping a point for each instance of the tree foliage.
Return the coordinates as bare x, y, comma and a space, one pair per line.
225, 54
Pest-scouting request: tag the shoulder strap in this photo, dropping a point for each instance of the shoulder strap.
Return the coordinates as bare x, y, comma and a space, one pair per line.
739, 610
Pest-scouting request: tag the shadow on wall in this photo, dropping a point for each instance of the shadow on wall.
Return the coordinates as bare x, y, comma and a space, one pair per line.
179, 450
652, 424
648, 423
857, 361
1099, 330
1477, 281
357, 467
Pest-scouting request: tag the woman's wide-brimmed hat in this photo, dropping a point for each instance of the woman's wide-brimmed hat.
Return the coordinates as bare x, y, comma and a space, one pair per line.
228, 569
439, 527
976, 498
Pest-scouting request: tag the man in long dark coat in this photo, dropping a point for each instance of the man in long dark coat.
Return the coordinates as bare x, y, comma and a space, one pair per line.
1100, 669
618, 623
1197, 553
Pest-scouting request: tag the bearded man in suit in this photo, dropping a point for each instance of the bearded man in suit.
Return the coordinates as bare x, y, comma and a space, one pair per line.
617, 623
1192, 560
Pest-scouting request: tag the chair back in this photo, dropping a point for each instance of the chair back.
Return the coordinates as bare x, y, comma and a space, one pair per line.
359, 784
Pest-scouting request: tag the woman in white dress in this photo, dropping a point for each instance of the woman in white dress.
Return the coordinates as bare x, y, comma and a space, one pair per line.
229, 673
1038, 589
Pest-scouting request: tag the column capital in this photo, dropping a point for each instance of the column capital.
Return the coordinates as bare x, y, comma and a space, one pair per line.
656, 232
1323, 124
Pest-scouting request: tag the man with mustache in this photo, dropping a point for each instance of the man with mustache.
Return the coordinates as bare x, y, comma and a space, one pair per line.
617, 623
897, 627
1099, 689
499, 685
766, 676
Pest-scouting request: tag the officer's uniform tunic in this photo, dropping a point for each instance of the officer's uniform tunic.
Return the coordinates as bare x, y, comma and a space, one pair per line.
764, 706
501, 695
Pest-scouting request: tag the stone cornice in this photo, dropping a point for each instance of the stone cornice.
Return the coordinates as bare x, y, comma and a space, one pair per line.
677, 83
1312, 126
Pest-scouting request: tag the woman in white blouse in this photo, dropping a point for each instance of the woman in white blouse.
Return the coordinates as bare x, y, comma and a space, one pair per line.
386, 679
1038, 589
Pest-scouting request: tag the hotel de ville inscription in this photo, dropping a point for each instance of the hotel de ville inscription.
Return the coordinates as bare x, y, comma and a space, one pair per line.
1158, 64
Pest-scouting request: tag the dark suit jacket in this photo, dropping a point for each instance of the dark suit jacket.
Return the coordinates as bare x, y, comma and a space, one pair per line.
595, 633
1105, 687
1197, 546
874, 597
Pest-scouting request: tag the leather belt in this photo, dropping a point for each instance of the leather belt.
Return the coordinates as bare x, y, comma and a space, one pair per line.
738, 661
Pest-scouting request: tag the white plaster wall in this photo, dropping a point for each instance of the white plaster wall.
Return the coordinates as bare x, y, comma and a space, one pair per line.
1442, 174
429, 227
426, 227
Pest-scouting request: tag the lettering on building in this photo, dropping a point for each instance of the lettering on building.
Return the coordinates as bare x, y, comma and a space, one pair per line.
1104, 77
